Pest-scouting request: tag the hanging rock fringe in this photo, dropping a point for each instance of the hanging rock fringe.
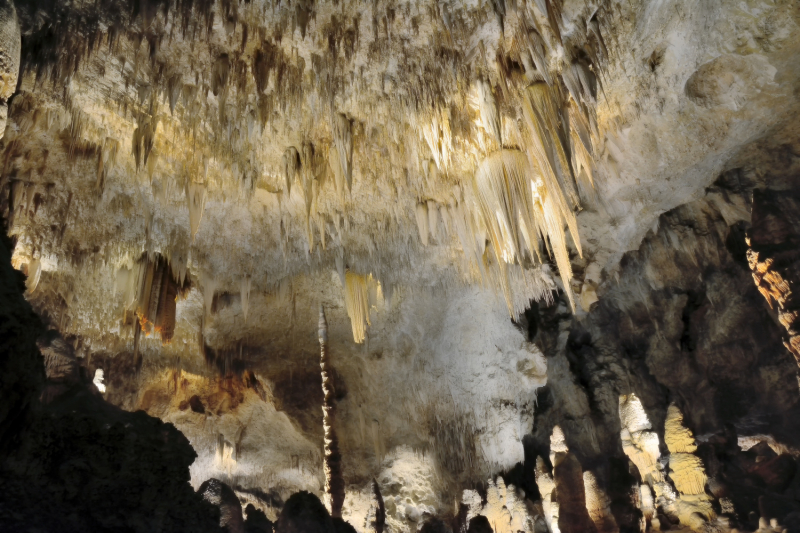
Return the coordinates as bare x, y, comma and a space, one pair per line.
517, 207
357, 302
156, 293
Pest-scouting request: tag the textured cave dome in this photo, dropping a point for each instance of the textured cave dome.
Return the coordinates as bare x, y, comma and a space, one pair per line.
546, 247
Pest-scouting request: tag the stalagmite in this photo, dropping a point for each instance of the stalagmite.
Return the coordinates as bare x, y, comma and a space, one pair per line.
376, 516
598, 504
686, 469
546, 488
98, 380
334, 481
638, 443
505, 507
642, 448
573, 516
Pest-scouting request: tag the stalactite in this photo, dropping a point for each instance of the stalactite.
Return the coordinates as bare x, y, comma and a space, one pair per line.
34, 274
150, 290
164, 320
598, 49
356, 300
196, 199
334, 481
517, 207
433, 219
308, 169
543, 118
488, 109
291, 162
535, 46
343, 140
220, 74
174, 87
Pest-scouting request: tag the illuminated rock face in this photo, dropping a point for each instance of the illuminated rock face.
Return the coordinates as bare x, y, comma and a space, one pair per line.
773, 258
187, 182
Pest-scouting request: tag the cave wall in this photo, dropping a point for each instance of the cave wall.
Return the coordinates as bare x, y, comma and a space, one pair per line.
683, 323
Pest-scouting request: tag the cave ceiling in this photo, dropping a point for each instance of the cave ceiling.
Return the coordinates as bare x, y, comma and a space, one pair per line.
187, 182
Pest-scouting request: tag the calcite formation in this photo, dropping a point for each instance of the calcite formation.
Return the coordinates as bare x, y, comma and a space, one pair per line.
533, 226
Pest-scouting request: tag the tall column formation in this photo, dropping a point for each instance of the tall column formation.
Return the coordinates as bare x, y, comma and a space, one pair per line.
546, 488
334, 482
376, 517
774, 258
686, 471
642, 447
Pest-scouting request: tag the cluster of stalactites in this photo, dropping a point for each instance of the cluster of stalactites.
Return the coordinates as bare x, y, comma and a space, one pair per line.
533, 192
310, 169
150, 290
518, 211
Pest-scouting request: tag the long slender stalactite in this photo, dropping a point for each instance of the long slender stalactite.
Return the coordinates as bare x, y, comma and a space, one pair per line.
334, 482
